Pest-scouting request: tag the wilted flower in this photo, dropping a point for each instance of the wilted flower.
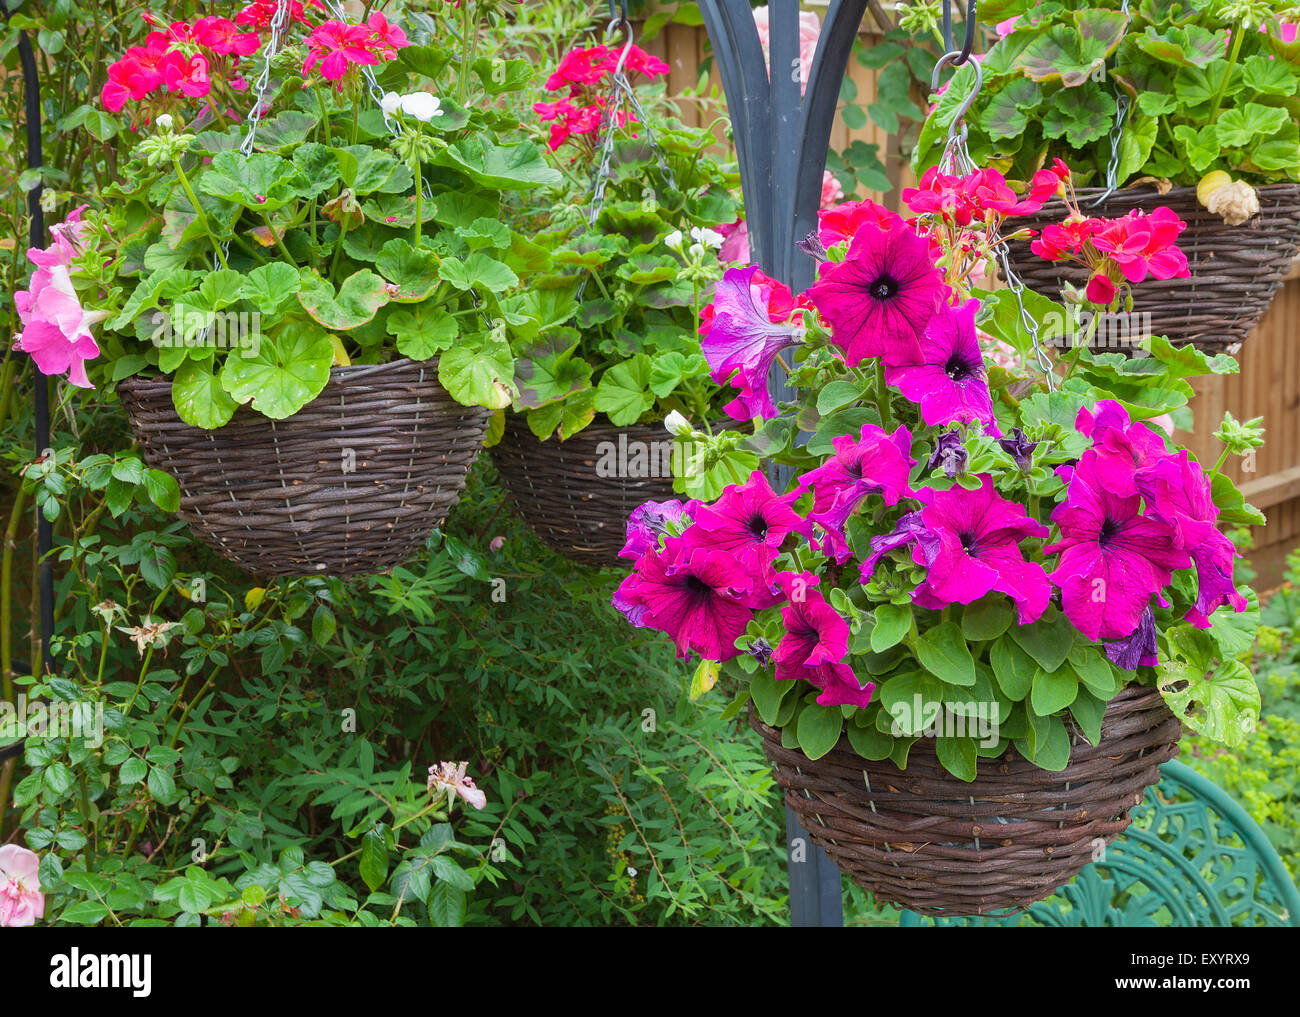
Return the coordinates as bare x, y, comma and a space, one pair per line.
450, 779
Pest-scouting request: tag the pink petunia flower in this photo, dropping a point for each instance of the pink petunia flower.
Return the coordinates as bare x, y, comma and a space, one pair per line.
1180, 495
815, 643
699, 597
978, 551
1113, 559
840, 222
750, 522
741, 340
21, 900
874, 463
879, 300
1127, 453
56, 328
947, 378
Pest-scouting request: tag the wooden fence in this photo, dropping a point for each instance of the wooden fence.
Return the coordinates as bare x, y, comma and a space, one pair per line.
1268, 385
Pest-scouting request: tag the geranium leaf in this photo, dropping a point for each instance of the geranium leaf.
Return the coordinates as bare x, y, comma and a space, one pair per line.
288, 371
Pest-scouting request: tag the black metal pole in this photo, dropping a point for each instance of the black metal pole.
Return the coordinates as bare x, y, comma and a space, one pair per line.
781, 143
44, 531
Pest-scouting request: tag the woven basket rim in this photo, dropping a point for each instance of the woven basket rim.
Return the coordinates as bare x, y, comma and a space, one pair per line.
1140, 695
350, 372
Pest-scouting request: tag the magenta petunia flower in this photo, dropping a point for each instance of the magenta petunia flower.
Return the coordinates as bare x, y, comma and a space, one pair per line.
874, 463
978, 550
946, 378
750, 522
815, 643
649, 521
742, 340
879, 300
700, 598
1182, 499
1128, 453
1112, 559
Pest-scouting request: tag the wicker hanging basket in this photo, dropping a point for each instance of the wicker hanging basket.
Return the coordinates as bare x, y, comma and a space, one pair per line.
565, 492
351, 484
922, 839
1235, 270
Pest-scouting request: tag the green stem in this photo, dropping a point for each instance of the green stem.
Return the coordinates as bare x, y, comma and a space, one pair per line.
198, 211
1237, 37
882, 396
419, 202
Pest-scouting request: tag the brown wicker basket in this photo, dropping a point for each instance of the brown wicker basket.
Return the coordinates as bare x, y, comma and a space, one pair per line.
351, 484
922, 839
1235, 270
557, 489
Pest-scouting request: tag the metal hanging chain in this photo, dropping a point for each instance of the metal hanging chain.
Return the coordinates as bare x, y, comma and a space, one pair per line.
372, 85
956, 160
279, 24
1117, 131
622, 99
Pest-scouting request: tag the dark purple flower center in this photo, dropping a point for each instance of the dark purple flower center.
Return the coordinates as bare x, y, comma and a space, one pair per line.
967, 541
885, 287
957, 368
757, 526
1109, 528
697, 588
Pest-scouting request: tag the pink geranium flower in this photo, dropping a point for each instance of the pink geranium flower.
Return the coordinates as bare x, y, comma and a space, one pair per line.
223, 37
946, 377
741, 341
750, 522
874, 463
978, 550
335, 47
56, 328
879, 300
815, 643
1113, 559
21, 900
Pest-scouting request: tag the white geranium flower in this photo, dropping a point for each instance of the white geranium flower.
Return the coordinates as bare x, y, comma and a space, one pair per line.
677, 425
706, 236
674, 240
164, 121
390, 103
422, 105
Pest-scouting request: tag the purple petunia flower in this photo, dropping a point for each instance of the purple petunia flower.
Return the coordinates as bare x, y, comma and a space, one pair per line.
749, 522
815, 643
910, 529
1138, 648
946, 377
874, 463
950, 455
742, 340
978, 551
1113, 559
649, 521
879, 300
1019, 448
761, 650
1181, 497
700, 598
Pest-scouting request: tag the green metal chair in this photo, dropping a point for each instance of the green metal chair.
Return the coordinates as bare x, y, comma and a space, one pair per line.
1192, 857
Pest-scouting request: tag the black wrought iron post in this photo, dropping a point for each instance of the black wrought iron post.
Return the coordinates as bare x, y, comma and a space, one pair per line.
36, 238
781, 141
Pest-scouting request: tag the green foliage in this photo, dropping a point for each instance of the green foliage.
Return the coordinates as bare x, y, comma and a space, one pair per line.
1205, 92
